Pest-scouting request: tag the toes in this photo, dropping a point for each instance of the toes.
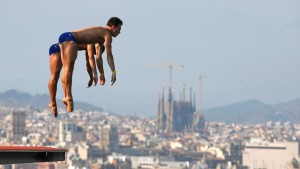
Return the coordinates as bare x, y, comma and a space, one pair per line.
53, 109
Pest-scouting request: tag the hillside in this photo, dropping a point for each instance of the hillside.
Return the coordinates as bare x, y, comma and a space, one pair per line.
14, 98
253, 111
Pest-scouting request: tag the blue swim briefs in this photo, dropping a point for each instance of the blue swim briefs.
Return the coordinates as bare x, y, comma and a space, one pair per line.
54, 49
67, 36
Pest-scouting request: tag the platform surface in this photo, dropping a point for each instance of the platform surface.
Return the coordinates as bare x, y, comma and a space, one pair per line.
28, 154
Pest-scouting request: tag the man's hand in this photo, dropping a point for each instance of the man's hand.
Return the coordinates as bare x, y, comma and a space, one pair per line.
102, 79
113, 77
90, 82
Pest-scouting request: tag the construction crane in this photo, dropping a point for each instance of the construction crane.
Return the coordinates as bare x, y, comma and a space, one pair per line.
170, 66
200, 93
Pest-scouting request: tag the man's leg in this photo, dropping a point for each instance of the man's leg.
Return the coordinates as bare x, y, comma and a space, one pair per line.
69, 55
55, 68
63, 82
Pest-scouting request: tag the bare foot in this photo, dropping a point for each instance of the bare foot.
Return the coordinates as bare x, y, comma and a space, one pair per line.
69, 104
53, 108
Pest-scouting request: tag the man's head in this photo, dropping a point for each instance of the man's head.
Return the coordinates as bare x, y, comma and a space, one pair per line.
115, 24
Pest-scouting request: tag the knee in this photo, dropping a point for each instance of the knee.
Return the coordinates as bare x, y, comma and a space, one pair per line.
55, 77
52, 80
69, 68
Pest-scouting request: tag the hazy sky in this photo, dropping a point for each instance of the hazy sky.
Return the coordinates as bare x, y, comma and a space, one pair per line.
246, 49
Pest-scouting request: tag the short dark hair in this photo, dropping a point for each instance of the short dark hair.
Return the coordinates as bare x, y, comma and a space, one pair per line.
114, 21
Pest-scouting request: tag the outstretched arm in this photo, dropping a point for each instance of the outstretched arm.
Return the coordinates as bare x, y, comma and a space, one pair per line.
90, 51
110, 58
99, 50
89, 70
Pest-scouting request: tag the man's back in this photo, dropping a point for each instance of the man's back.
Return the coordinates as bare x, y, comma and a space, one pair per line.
94, 34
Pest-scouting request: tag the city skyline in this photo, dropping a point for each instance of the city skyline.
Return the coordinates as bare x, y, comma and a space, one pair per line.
99, 138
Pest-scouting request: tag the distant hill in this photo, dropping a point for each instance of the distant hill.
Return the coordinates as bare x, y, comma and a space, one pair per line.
253, 111
15, 98
247, 112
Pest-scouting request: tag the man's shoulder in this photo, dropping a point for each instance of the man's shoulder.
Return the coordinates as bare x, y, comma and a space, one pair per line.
105, 32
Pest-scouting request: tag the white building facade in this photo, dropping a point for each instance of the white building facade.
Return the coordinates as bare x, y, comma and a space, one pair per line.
270, 155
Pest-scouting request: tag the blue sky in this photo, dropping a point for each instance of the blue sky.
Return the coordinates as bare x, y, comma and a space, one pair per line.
245, 49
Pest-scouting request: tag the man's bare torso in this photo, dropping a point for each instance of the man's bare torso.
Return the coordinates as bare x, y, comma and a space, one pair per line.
91, 35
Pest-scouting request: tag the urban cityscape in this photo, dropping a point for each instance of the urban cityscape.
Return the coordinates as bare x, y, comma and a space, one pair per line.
177, 138
150, 84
